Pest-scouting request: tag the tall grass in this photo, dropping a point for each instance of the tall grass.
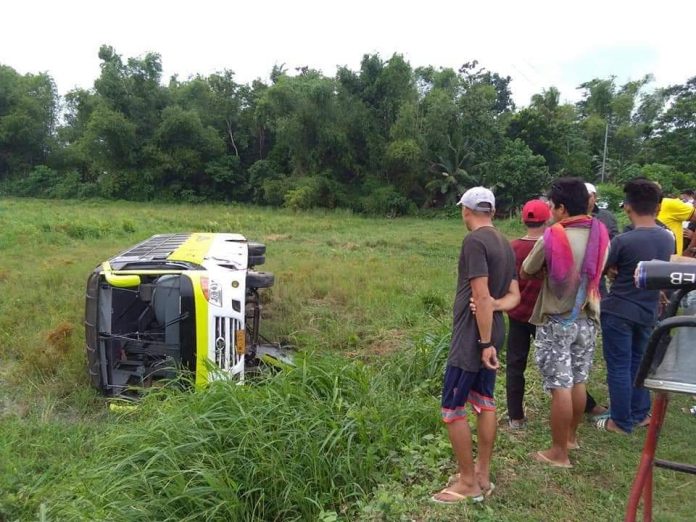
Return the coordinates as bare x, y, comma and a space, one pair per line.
316, 438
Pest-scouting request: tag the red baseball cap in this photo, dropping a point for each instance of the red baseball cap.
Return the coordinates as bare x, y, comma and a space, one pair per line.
536, 211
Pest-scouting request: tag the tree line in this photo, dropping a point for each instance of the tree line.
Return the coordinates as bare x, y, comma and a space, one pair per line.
385, 139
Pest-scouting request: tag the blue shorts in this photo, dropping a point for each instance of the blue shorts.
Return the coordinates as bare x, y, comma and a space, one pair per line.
461, 387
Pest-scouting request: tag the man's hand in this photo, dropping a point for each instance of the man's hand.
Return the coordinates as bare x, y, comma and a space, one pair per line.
472, 305
489, 358
612, 272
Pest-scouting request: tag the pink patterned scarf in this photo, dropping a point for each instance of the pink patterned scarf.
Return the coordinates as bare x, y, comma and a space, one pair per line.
564, 279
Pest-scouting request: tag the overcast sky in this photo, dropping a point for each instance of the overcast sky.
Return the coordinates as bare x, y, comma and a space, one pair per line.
537, 43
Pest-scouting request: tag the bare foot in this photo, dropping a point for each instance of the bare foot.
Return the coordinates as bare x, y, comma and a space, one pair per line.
484, 482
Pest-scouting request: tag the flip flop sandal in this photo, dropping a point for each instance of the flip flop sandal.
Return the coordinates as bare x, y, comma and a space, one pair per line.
603, 425
458, 497
486, 492
646, 421
543, 459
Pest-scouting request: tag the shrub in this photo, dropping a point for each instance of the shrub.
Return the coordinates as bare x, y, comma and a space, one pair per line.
301, 198
260, 173
273, 191
386, 201
37, 183
68, 186
88, 190
314, 192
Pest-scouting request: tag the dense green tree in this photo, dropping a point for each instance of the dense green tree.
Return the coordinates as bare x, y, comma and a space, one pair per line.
519, 174
384, 138
675, 143
28, 113
464, 117
180, 150
552, 130
614, 112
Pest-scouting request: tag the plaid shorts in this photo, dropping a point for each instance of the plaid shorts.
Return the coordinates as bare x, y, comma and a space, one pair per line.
564, 352
460, 387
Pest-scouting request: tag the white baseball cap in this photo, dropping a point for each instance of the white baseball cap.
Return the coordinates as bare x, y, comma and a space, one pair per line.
591, 189
478, 198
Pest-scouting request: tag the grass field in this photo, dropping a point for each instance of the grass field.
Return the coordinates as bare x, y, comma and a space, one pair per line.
352, 433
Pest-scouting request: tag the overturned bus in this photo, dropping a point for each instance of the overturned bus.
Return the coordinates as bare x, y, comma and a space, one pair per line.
173, 303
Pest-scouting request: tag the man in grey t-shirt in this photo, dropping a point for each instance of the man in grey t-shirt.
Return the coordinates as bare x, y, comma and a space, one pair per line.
487, 279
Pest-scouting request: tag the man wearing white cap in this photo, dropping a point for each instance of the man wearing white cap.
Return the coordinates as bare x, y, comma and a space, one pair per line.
609, 220
488, 280
603, 215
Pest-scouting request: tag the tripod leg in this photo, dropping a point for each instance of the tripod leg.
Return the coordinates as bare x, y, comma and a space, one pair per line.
643, 479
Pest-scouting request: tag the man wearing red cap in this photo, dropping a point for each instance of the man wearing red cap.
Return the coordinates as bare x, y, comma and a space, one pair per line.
535, 214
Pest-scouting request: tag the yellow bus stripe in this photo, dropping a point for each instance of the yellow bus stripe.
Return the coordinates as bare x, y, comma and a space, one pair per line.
194, 249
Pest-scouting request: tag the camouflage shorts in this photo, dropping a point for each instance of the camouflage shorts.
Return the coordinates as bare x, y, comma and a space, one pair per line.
564, 352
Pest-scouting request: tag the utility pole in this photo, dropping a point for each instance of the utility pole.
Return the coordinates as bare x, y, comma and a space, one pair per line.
604, 157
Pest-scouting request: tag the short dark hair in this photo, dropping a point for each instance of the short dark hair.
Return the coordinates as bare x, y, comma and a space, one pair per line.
534, 224
688, 192
659, 187
643, 196
571, 193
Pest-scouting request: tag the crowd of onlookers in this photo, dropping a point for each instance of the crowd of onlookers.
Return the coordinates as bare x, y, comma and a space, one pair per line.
569, 279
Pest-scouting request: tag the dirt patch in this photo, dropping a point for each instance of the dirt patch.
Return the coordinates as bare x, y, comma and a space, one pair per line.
390, 343
59, 337
387, 343
277, 237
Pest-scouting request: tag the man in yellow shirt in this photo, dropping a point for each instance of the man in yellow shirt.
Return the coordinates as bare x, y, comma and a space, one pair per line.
672, 213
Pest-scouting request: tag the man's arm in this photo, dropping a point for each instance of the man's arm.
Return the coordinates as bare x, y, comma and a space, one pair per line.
612, 259
484, 320
534, 262
509, 300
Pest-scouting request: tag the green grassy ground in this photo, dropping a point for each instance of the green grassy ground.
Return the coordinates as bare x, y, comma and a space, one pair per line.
353, 434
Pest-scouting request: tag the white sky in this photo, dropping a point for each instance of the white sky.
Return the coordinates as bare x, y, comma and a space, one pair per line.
538, 43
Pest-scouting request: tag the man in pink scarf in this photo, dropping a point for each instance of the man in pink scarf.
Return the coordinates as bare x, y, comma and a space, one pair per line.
570, 258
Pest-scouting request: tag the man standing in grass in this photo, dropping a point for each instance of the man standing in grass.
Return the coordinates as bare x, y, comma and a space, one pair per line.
487, 279
535, 214
628, 313
572, 253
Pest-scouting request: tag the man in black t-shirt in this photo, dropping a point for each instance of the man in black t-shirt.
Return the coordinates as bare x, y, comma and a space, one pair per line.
487, 279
